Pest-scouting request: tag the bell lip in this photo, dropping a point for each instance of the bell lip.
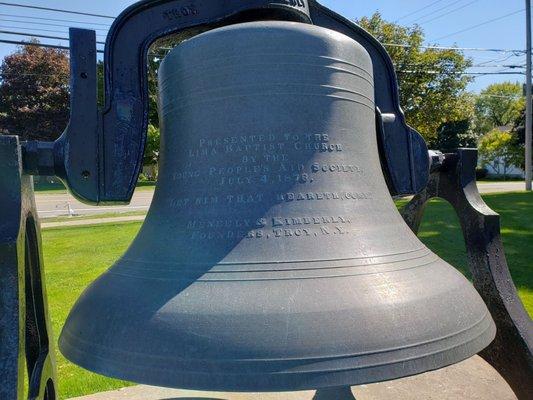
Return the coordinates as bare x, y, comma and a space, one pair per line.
283, 381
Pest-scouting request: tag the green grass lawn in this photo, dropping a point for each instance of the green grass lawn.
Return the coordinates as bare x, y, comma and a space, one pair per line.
73, 258
76, 256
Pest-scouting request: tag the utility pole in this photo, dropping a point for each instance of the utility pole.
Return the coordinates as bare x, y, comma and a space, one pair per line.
529, 115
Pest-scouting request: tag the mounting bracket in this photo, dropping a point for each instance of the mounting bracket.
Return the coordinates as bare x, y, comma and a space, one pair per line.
511, 353
25, 330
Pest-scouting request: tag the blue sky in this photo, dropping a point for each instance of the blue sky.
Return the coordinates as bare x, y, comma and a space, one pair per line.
507, 33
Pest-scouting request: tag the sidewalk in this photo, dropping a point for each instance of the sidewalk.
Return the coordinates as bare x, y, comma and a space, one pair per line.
93, 221
472, 379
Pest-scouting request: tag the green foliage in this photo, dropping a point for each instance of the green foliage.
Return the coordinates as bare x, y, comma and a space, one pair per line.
519, 134
73, 258
100, 83
156, 54
498, 150
500, 104
153, 90
143, 178
454, 135
34, 93
432, 84
519, 127
151, 151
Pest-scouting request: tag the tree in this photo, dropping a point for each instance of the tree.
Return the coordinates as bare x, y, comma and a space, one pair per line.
34, 93
432, 81
151, 150
454, 135
498, 150
519, 135
519, 127
499, 105
153, 89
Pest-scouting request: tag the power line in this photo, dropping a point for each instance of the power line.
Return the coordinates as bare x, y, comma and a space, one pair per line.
46, 24
37, 29
500, 96
481, 24
515, 51
502, 59
51, 46
449, 12
29, 29
509, 66
461, 73
419, 10
436, 11
54, 19
445, 67
56, 10
38, 44
449, 63
38, 36
385, 44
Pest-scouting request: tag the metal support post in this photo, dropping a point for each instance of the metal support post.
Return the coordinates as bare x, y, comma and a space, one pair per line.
511, 353
529, 105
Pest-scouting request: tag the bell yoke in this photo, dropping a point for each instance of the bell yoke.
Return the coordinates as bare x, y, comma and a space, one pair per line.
273, 257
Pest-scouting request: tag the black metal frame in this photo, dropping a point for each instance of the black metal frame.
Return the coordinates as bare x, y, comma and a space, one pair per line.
25, 330
511, 353
100, 154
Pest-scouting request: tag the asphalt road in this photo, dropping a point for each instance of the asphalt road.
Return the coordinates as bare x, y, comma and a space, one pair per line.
61, 204
501, 187
54, 205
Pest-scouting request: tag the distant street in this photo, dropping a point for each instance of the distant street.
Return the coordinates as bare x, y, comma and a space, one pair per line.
501, 187
62, 204
54, 205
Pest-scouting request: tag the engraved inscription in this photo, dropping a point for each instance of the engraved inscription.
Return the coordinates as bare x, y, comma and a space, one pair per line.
263, 159
287, 197
335, 168
293, 3
277, 144
181, 12
271, 228
226, 223
281, 221
246, 170
229, 199
259, 197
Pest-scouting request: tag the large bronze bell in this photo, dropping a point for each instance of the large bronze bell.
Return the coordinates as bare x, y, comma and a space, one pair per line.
273, 257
